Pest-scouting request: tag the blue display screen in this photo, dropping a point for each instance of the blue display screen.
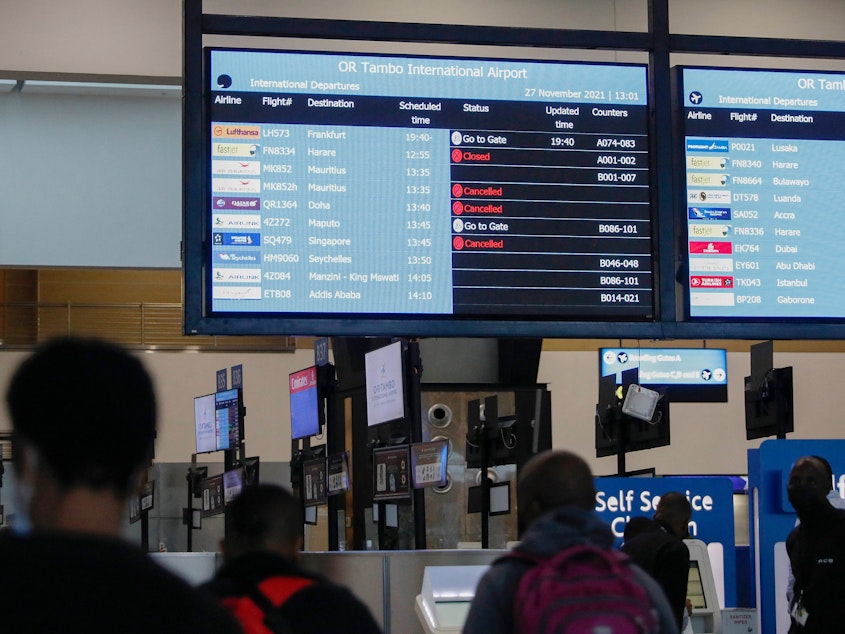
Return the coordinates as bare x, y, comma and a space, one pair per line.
227, 413
344, 184
763, 152
304, 403
684, 374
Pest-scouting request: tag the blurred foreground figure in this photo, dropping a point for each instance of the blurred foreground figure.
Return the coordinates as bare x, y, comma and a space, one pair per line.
83, 415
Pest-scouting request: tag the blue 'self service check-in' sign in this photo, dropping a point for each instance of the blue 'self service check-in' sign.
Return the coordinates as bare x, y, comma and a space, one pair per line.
620, 499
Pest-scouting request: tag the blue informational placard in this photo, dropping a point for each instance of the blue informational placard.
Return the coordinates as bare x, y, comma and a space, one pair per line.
685, 375
237, 376
763, 152
321, 351
772, 517
668, 366
620, 499
222, 380
404, 185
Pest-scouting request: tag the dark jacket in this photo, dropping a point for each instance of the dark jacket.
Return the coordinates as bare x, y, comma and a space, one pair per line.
318, 607
816, 551
60, 583
664, 557
491, 611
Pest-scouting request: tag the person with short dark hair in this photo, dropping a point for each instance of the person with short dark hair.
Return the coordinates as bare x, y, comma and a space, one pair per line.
556, 512
261, 582
657, 546
816, 549
84, 417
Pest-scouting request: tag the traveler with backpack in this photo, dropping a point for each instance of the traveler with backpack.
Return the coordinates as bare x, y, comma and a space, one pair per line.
262, 583
565, 576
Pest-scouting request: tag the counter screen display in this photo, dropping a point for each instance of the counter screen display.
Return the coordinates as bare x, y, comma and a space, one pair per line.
364, 185
763, 152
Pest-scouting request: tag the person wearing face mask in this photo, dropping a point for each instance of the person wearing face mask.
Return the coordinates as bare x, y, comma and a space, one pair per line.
83, 417
816, 549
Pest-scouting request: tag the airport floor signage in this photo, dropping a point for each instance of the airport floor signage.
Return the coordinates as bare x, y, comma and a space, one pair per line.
620, 499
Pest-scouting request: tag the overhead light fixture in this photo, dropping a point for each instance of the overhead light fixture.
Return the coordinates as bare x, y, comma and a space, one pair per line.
100, 89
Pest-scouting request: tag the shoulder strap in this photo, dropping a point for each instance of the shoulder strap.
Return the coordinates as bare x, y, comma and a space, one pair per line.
274, 621
273, 618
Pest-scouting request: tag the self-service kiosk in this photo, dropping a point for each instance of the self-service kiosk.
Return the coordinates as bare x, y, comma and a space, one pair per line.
447, 591
701, 590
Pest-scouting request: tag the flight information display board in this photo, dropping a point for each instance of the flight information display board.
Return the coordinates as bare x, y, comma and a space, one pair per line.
366, 185
763, 152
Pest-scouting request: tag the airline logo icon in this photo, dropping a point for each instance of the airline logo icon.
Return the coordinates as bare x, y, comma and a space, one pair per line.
236, 292
236, 168
711, 248
233, 150
219, 130
226, 202
711, 265
697, 179
711, 299
707, 162
709, 231
710, 196
236, 239
236, 221
244, 256
709, 213
708, 145
236, 185
248, 276
711, 281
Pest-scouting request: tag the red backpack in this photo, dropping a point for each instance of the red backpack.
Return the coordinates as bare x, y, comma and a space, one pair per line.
582, 590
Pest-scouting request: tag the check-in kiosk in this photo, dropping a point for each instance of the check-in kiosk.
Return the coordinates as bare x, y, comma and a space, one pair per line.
701, 590
447, 591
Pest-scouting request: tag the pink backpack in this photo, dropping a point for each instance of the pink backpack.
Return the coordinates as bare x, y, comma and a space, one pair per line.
582, 590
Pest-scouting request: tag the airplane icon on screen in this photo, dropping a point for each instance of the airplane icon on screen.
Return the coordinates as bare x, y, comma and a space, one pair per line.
695, 97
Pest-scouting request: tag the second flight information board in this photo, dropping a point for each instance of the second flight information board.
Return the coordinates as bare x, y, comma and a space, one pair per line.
764, 191
381, 185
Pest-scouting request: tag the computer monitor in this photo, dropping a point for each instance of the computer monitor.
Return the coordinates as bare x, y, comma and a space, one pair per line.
233, 484
228, 416
769, 410
385, 384
681, 375
695, 588
305, 416
204, 424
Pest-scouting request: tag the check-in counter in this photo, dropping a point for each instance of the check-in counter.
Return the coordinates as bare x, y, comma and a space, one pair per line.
388, 582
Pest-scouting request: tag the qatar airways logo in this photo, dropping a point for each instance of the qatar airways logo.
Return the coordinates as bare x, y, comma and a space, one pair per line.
228, 202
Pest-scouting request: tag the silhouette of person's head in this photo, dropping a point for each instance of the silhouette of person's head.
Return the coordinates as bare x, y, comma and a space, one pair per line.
263, 518
554, 479
675, 511
84, 418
